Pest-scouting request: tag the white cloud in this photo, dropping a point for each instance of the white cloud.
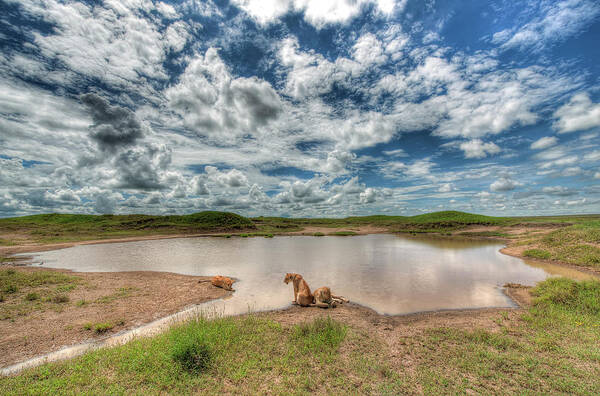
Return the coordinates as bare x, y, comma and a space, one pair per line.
577, 115
316, 12
368, 196
559, 20
592, 156
214, 104
543, 143
504, 184
475, 148
368, 50
232, 178
446, 187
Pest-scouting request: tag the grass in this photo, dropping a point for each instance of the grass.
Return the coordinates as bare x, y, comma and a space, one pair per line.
250, 355
101, 328
343, 233
28, 291
32, 296
55, 227
552, 348
578, 244
537, 253
122, 292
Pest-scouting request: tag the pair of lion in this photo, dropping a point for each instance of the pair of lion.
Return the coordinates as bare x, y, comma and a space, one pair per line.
322, 297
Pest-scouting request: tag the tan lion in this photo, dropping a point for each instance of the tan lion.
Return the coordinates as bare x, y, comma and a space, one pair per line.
302, 294
222, 282
324, 299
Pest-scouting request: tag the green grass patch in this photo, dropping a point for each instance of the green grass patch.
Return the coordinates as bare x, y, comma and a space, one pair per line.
249, 355
318, 234
537, 253
32, 296
343, 233
578, 244
54, 227
320, 335
103, 327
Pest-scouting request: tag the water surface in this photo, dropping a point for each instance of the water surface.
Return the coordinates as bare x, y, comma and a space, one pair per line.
391, 274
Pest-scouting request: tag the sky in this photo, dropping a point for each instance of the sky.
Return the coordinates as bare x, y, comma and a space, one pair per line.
299, 108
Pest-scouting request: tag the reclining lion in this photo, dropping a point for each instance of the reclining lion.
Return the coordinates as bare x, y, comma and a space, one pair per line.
220, 281
302, 294
323, 298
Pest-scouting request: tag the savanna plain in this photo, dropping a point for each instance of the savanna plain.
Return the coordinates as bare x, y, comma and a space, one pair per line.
549, 345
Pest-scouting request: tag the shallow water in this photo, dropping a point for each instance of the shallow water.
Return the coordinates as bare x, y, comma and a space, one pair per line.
391, 274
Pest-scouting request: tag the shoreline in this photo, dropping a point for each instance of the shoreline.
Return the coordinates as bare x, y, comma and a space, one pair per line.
509, 249
517, 294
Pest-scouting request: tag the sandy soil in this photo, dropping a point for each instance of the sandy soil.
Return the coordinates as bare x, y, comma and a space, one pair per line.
124, 299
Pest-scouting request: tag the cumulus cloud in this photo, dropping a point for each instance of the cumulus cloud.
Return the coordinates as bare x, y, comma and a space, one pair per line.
368, 196
231, 178
104, 204
579, 114
114, 126
544, 143
214, 104
476, 148
317, 13
504, 184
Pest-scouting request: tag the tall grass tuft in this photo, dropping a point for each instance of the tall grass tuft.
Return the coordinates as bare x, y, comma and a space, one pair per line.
320, 335
190, 348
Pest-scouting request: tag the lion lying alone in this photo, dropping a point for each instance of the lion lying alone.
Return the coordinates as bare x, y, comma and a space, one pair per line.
322, 297
220, 281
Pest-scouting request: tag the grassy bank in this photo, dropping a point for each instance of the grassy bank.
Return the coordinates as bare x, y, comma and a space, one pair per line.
573, 239
48, 228
554, 347
578, 244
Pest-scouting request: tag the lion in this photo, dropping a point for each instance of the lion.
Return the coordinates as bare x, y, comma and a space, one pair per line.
323, 298
302, 294
222, 282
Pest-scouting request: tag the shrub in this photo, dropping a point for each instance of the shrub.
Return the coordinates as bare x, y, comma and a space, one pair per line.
88, 326
32, 297
318, 234
192, 353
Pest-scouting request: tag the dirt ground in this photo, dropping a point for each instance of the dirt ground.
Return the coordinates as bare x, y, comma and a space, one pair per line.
122, 299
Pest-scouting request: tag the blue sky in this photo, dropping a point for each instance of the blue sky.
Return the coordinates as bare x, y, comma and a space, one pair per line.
300, 107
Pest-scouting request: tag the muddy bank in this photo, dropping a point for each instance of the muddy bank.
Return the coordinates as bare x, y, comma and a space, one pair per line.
120, 300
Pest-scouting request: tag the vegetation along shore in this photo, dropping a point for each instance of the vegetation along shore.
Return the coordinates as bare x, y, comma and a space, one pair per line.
550, 344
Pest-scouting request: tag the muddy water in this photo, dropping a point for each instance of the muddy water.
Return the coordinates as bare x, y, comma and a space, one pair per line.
391, 274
